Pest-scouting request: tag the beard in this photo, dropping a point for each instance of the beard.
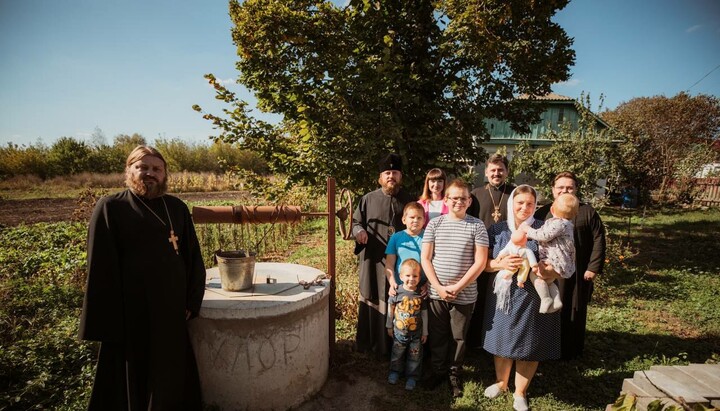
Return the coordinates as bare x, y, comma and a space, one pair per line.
152, 189
390, 187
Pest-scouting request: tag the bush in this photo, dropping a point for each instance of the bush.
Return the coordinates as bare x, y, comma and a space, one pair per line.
68, 156
42, 363
21, 160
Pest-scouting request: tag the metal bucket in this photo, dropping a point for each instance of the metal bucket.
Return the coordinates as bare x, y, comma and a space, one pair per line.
237, 269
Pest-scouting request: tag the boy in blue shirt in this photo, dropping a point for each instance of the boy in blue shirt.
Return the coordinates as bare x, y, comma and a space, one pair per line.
405, 244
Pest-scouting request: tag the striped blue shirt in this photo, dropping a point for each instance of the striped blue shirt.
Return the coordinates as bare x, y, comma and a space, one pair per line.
454, 252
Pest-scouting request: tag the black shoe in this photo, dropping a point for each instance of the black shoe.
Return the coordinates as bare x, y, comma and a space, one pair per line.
432, 381
456, 386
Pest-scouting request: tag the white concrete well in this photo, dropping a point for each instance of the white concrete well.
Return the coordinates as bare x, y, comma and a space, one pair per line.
265, 348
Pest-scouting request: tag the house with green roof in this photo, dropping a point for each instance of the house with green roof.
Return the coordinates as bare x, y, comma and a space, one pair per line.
558, 110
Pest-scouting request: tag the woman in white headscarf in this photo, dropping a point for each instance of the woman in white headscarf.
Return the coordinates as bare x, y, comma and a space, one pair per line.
521, 334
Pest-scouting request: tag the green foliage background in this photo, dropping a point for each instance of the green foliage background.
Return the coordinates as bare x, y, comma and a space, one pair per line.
68, 156
42, 363
354, 82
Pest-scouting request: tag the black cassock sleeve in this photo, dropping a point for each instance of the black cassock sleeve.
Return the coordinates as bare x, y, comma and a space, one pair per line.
194, 265
102, 314
597, 257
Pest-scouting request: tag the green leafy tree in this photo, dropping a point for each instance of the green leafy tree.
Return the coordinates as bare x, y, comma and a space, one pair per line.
125, 143
68, 156
414, 77
229, 157
23, 160
667, 138
589, 151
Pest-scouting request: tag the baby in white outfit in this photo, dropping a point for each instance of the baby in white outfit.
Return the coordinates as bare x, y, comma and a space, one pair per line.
557, 248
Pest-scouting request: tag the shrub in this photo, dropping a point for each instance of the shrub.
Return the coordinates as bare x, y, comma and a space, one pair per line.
42, 363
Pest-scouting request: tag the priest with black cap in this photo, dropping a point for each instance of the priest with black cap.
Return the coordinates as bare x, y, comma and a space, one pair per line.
377, 216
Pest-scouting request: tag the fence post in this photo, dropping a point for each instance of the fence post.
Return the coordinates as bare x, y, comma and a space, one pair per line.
331, 261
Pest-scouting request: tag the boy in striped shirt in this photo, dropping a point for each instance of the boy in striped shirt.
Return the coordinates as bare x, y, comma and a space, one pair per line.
454, 253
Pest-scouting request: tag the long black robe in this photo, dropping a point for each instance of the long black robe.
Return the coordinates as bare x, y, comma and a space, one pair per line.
482, 207
375, 213
589, 255
137, 292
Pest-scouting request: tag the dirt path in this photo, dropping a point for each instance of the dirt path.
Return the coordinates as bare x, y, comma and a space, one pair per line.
15, 212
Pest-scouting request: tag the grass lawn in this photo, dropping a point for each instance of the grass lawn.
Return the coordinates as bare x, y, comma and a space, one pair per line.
655, 305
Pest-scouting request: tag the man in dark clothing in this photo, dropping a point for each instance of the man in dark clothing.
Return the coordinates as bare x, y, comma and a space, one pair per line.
376, 218
489, 204
590, 259
146, 278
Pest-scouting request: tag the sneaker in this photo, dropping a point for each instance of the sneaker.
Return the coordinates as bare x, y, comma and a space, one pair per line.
493, 391
432, 381
456, 386
520, 403
410, 384
393, 377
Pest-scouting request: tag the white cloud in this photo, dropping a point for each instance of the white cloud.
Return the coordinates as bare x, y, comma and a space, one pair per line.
569, 83
693, 28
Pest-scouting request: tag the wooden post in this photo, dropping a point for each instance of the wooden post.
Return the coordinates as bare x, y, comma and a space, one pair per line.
331, 260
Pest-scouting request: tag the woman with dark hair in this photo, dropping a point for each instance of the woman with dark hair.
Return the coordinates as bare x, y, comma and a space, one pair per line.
432, 198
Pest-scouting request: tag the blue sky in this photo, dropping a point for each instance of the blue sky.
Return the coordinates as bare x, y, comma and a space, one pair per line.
126, 66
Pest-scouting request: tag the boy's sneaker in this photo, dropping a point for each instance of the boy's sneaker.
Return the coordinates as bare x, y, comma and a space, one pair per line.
410, 384
393, 377
456, 386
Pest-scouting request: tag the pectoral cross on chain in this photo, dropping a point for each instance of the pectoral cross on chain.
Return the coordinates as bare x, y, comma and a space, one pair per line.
496, 214
174, 239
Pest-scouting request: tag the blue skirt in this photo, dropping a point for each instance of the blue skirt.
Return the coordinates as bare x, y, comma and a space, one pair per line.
523, 333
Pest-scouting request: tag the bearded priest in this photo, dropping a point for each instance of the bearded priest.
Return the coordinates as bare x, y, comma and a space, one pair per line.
146, 280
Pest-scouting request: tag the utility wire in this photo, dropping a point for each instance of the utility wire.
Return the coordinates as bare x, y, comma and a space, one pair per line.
703, 78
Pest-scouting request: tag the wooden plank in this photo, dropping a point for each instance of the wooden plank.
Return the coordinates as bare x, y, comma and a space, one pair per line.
707, 385
641, 387
712, 369
675, 389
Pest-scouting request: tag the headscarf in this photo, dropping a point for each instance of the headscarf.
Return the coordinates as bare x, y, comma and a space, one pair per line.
501, 286
511, 214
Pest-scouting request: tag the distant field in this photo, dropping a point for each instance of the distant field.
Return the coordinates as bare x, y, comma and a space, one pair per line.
71, 187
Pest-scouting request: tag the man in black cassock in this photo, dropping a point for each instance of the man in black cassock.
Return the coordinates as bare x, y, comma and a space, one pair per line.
589, 260
376, 218
489, 204
146, 279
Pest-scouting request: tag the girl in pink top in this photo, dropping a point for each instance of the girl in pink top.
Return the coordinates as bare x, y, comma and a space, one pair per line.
434, 194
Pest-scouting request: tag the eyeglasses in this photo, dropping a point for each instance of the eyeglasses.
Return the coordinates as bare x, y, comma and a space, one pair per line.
458, 199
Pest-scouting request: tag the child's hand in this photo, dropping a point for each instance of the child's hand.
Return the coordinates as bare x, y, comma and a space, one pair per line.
524, 227
390, 332
536, 269
424, 290
521, 284
423, 339
393, 289
444, 294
